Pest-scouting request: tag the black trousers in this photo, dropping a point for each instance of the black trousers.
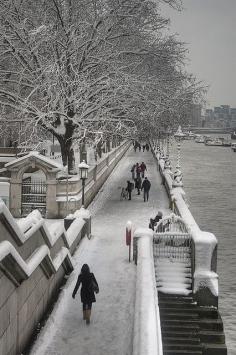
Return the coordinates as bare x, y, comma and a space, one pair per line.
145, 195
129, 193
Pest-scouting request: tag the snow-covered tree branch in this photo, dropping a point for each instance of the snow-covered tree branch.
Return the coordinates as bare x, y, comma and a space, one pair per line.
77, 68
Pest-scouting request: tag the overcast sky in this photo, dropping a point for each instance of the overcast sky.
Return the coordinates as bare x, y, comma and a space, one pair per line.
209, 29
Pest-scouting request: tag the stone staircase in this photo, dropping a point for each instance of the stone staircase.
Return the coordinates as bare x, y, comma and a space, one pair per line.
188, 329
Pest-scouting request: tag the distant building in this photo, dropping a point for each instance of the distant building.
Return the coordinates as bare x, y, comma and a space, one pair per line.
221, 116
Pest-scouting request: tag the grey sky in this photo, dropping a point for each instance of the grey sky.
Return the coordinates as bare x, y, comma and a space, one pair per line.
209, 29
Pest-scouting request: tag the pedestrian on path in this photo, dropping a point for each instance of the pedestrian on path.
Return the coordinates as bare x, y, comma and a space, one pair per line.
138, 184
144, 146
133, 171
146, 185
143, 168
89, 286
138, 170
147, 147
129, 188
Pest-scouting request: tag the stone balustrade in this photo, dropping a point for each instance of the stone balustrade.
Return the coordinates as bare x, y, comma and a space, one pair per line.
205, 278
147, 329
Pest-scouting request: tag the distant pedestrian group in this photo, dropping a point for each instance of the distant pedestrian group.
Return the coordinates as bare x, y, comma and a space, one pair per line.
141, 183
138, 146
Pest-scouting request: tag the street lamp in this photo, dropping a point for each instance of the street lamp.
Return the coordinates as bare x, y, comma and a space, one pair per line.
83, 169
167, 160
178, 174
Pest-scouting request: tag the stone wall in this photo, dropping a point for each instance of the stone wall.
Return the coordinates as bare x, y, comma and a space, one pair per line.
34, 258
97, 175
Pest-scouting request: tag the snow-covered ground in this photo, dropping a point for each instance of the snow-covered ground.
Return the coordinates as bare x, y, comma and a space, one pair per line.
111, 328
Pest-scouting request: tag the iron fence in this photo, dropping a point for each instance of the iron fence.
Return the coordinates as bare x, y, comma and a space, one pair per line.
177, 246
33, 196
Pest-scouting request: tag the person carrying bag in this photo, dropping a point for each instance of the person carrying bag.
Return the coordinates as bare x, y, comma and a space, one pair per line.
89, 287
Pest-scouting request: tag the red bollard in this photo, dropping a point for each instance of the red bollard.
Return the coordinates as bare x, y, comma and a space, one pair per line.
128, 236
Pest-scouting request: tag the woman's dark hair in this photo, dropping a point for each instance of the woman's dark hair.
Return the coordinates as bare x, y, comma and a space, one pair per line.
85, 269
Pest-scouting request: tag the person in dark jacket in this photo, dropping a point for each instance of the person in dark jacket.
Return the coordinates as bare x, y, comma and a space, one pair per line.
153, 221
129, 188
89, 286
138, 183
143, 168
133, 171
138, 170
146, 185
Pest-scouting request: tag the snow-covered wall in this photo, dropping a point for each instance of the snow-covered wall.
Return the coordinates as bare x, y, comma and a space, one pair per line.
97, 175
34, 258
205, 278
147, 330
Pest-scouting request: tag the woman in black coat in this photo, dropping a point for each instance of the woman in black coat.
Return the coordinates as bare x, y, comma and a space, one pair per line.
89, 286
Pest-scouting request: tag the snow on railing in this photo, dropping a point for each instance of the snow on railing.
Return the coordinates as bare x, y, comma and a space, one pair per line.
147, 329
205, 278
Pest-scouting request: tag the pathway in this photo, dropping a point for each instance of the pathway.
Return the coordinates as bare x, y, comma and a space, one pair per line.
110, 331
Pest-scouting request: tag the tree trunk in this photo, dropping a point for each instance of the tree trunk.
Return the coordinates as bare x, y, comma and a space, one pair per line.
67, 151
83, 152
108, 142
67, 154
99, 149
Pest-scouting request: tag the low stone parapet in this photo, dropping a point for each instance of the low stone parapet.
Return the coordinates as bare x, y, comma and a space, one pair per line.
34, 258
147, 330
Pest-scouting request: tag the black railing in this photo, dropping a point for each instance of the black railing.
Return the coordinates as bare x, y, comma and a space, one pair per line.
33, 196
172, 245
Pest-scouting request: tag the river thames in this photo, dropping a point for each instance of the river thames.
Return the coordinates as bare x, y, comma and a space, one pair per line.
209, 177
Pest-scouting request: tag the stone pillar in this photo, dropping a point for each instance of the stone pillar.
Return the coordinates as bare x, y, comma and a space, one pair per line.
51, 203
15, 197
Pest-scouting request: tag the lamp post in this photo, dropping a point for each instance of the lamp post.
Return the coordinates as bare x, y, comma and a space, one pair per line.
178, 174
167, 160
83, 169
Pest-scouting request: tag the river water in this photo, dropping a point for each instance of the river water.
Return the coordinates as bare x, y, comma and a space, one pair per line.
209, 177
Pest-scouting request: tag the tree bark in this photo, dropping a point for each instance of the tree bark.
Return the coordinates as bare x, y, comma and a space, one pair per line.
99, 149
67, 152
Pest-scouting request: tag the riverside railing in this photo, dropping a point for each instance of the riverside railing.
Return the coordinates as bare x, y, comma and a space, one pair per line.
147, 329
204, 244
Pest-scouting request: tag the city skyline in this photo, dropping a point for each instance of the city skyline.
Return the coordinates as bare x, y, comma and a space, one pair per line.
207, 28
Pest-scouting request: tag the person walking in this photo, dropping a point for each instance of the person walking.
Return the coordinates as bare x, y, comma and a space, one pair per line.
146, 185
144, 147
143, 168
129, 188
138, 170
89, 286
133, 171
138, 183
147, 147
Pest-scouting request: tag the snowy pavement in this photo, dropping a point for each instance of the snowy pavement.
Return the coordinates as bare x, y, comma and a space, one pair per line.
111, 328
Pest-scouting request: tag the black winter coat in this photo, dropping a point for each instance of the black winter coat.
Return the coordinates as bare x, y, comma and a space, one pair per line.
129, 186
146, 185
87, 292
